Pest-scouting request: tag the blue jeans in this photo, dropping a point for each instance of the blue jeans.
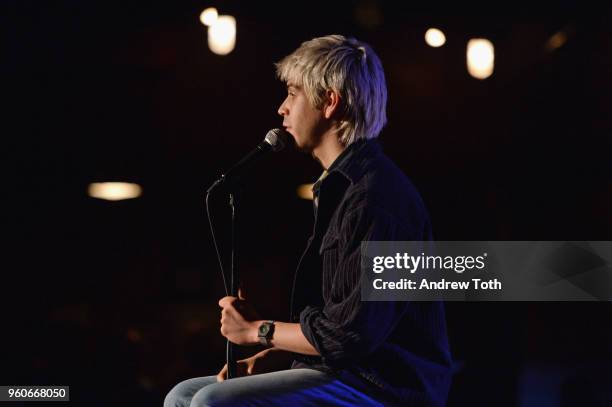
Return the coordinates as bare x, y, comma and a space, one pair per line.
294, 387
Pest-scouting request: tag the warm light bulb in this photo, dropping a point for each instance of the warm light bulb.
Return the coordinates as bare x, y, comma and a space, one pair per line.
209, 16
480, 58
556, 41
114, 191
435, 38
222, 35
304, 191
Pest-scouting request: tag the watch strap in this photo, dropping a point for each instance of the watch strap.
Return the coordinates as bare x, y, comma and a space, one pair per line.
265, 339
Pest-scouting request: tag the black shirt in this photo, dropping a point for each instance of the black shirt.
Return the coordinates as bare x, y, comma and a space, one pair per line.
395, 350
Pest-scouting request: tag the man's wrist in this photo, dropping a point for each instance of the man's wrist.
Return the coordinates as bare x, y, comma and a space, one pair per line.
255, 331
266, 332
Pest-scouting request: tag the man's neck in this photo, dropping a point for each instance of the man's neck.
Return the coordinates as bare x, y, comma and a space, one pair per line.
328, 150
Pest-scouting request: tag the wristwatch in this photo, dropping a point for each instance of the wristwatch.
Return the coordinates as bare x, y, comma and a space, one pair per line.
265, 332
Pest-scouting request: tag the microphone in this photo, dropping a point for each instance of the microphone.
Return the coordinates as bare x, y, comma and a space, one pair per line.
275, 140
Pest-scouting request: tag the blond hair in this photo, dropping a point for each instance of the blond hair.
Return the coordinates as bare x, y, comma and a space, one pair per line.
349, 67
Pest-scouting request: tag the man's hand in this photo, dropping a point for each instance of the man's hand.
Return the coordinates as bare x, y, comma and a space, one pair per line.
239, 321
240, 324
266, 361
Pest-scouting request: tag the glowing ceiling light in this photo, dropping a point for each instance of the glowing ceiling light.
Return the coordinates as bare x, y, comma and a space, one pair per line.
480, 58
209, 16
222, 35
435, 38
114, 191
304, 191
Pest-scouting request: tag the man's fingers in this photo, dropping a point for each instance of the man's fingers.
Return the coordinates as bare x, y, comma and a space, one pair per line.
222, 374
250, 365
225, 301
242, 368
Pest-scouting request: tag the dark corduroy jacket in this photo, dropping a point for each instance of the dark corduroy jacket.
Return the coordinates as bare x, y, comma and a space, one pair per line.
394, 350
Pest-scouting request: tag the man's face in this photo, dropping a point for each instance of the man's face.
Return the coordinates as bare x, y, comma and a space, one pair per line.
304, 122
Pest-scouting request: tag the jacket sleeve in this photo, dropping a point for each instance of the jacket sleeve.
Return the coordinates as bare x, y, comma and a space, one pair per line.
346, 329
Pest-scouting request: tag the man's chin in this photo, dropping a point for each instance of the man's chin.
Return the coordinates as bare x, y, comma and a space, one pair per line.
302, 147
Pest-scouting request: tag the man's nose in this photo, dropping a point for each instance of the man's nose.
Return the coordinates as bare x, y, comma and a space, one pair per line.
282, 110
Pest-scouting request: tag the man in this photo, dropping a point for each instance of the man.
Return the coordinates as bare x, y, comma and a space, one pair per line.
345, 351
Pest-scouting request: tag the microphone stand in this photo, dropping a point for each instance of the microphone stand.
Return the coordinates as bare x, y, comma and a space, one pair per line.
231, 358
234, 276
275, 140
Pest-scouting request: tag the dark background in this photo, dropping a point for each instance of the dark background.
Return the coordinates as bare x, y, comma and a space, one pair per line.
119, 299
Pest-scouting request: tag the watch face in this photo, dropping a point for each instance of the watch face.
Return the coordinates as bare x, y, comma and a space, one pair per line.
263, 329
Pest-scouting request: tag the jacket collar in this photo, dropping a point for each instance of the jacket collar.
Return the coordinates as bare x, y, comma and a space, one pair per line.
353, 162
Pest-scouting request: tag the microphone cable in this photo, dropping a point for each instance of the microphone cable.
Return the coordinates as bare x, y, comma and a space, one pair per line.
275, 140
212, 231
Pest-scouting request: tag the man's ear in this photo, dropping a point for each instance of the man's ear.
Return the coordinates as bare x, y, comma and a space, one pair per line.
332, 103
